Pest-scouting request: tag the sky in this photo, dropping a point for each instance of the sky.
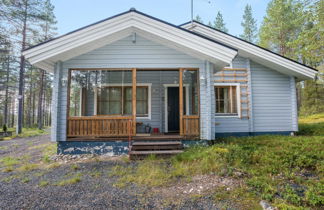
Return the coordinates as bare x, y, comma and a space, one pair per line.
73, 14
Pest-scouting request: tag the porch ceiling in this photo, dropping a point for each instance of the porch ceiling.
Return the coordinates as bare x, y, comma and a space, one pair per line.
112, 29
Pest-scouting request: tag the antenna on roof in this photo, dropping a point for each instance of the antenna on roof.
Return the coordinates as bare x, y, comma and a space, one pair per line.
191, 11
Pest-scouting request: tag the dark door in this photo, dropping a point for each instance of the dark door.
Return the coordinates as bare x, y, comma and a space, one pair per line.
173, 109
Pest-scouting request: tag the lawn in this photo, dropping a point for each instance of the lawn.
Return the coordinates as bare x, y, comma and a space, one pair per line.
26, 132
286, 171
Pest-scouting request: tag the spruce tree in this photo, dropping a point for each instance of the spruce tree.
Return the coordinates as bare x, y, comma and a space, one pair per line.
219, 23
249, 25
198, 19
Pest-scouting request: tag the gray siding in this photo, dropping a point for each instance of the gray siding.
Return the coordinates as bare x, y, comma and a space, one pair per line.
272, 100
232, 124
126, 54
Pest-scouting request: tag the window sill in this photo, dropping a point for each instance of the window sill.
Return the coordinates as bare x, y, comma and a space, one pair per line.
143, 118
227, 116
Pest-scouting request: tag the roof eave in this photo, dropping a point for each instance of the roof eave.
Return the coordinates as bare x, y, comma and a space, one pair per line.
297, 69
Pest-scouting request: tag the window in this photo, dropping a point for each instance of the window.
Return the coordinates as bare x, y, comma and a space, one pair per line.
226, 100
141, 101
117, 100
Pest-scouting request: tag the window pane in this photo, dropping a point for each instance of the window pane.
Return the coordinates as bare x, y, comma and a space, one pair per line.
114, 107
226, 102
103, 108
128, 107
190, 80
128, 93
115, 93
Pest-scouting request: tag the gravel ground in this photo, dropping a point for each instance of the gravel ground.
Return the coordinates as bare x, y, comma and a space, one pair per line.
22, 189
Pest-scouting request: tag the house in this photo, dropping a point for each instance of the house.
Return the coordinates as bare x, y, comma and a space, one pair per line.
135, 77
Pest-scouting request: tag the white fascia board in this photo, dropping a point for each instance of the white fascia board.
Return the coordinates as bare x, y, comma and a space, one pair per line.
90, 38
255, 52
76, 50
45, 66
74, 36
79, 42
180, 37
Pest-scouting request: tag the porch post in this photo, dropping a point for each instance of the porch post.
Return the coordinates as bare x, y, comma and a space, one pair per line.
181, 100
134, 99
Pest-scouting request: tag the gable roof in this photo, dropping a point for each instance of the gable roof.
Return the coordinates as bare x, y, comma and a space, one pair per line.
88, 38
254, 52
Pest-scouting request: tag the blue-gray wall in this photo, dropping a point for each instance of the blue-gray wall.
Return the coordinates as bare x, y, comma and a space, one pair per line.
272, 102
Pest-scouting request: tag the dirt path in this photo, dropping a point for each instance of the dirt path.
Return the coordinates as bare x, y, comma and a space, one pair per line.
30, 180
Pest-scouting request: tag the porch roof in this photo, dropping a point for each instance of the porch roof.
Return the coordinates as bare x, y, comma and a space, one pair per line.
86, 39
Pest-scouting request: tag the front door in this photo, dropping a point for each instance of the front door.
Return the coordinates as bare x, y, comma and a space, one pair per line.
173, 109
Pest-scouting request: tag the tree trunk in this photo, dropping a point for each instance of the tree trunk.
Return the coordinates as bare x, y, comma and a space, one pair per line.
40, 102
21, 77
7, 94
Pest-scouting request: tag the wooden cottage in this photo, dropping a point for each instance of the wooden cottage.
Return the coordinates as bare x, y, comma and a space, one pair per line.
135, 78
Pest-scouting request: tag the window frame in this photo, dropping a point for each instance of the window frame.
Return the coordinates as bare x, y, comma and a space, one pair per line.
148, 85
238, 100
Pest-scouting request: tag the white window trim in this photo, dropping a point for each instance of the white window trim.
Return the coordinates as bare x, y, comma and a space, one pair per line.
149, 85
166, 102
238, 99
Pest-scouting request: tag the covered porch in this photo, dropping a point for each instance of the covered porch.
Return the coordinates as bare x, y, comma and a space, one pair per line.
139, 104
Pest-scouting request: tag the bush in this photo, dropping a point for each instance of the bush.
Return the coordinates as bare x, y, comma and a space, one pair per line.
4, 128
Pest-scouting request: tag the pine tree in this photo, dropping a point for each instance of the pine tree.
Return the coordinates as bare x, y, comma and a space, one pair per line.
281, 26
199, 19
48, 31
219, 23
21, 16
249, 25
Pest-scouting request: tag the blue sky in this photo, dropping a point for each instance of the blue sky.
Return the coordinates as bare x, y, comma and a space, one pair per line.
73, 14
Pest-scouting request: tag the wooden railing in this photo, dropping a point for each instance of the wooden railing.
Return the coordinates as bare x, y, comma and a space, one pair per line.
190, 125
100, 126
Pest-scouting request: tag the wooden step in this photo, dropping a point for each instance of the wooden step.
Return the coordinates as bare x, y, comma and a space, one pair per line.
141, 143
157, 147
162, 145
157, 152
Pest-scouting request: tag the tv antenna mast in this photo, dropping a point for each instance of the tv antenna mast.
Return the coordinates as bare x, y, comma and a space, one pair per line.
192, 9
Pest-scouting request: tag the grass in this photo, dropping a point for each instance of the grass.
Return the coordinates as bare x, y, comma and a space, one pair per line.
312, 125
73, 180
43, 183
9, 161
48, 151
26, 132
284, 170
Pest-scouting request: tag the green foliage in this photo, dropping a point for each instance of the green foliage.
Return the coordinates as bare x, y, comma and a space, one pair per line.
311, 125
219, 23
285, 170
4, 128
199, 19
249, 25
281, 26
